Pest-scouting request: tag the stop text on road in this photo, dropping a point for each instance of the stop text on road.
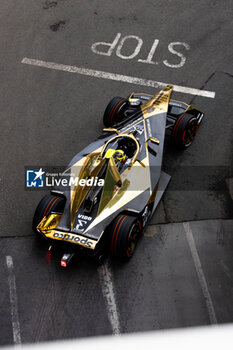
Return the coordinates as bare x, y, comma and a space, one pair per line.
116, 46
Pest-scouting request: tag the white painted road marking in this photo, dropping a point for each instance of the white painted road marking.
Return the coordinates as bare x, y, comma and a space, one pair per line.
99, 48
13, 301
200, 273
136, 50
116, 77
106, 280
174, 52
111, 46
151, 53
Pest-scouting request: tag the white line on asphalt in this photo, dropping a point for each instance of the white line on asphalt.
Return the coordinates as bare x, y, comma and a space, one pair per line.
13, 301
116, 77
200, 273
106, 280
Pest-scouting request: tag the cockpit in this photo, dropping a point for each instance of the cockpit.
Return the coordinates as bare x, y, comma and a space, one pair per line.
123, 148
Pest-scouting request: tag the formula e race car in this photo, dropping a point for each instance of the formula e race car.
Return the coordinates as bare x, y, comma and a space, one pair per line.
114, 185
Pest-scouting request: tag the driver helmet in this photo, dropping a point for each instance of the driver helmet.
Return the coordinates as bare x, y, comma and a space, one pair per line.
120, 155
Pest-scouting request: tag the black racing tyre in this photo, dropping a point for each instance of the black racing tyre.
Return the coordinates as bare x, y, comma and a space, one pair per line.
114, 111
47, 204
184, 130
125, 232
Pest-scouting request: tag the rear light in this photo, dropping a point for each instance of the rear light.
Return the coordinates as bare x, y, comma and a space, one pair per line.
66, 258
63, 263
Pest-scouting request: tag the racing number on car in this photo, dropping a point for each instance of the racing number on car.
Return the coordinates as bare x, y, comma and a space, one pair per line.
80, 225
119, 43
82, 222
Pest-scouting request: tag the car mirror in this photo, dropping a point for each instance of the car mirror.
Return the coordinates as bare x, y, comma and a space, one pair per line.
111, 130
154, 140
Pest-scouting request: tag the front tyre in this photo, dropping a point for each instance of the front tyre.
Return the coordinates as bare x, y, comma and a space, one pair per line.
125, 233
114, 111
47, 204
184, 130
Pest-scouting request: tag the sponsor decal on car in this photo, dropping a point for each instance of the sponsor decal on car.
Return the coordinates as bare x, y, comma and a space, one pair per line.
84, 241
148, 128
85, 217
145, 216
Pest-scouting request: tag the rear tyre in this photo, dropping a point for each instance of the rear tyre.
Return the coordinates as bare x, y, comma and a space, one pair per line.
184, 131
125, 233
114, 111
47, 204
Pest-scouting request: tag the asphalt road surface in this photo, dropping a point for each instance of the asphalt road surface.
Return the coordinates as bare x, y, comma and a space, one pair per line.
181, 274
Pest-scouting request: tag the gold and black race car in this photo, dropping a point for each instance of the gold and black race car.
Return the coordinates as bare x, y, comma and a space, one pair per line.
116, 182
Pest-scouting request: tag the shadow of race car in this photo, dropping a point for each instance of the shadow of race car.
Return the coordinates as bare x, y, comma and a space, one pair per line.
116, 182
